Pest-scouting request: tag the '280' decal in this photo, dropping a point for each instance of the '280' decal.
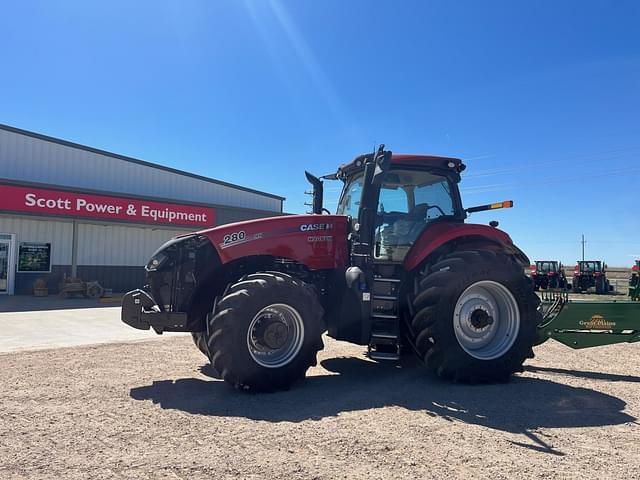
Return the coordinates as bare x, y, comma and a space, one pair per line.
234, 237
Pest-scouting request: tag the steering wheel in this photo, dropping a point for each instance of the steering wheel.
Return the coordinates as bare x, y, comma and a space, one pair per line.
418, 212
439, 209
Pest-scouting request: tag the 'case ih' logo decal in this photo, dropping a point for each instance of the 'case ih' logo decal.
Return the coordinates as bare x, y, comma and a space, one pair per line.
310, 227
597, 322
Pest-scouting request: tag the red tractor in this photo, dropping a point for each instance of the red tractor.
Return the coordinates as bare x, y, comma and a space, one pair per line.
590, 274
395, 269
548, 274
634, 281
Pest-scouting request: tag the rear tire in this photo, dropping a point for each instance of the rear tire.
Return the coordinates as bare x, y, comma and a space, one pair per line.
575, 286
265, 332
599, 287
476, 317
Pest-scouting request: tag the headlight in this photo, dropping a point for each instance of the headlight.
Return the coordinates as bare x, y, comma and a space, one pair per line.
156, 262
166, 253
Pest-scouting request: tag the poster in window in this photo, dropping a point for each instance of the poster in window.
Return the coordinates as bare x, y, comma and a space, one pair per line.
34, 257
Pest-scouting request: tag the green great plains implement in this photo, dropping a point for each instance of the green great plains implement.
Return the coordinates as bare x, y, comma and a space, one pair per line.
583, 324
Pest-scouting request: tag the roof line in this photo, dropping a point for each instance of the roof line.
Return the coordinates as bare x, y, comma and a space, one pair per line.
67, 143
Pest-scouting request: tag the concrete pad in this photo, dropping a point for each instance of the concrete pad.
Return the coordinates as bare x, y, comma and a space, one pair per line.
34, 330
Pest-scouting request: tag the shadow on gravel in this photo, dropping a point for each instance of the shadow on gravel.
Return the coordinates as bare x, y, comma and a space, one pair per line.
609, 377
521, 406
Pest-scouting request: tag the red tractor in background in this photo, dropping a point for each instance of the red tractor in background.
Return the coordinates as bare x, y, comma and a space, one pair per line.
548, 274
634, 281
590, 274
395, 269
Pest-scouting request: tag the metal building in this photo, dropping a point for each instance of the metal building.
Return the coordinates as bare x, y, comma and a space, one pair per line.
68, 210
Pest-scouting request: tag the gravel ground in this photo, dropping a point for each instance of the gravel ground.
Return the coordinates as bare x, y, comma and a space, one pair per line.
149, 410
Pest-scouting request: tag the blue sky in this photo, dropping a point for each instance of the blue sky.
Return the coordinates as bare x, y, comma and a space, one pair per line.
541, 99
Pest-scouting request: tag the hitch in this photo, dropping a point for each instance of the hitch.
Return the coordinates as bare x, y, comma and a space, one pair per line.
140, 310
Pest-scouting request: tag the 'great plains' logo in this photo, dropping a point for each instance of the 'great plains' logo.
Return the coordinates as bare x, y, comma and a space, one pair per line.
311, 227
597, 322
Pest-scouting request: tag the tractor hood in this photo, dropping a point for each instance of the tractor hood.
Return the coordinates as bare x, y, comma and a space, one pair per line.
317, 241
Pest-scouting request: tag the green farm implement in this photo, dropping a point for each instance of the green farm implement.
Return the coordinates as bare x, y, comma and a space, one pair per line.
584, 324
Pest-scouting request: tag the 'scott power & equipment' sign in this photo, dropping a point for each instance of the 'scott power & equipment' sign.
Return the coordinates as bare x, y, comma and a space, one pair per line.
41, 201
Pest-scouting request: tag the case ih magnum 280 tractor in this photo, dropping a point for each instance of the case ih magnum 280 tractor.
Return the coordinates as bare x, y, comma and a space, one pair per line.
396, 269
548, 274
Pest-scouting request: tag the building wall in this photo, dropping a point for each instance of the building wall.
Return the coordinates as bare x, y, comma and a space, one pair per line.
112, 254
119, 245
30, 159
58, 233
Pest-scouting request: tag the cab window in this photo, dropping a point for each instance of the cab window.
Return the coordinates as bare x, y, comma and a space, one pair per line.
409, 200
350, 201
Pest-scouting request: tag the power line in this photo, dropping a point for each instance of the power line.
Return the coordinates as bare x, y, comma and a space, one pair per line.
496, 187
594, 157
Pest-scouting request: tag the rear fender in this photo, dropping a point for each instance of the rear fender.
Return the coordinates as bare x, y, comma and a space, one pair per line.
441, 238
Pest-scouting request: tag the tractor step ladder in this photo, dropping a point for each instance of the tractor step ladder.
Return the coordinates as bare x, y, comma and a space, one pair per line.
385, 342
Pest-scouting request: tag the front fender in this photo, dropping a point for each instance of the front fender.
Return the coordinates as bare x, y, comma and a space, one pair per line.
437, 235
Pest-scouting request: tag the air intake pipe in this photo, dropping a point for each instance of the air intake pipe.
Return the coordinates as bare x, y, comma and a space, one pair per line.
318, 192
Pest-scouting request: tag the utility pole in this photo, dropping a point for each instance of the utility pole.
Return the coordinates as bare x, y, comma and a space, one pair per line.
583, 242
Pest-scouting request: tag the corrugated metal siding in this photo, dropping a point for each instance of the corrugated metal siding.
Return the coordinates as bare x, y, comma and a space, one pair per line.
30, 159
224, 215
59, 234
107, 244
119, 245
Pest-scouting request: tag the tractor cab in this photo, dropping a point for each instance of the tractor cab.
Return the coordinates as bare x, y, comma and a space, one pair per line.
547, 267
412, 194
589, 267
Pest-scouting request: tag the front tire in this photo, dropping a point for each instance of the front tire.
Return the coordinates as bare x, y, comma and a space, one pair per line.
200, 341
476, 317
265, 332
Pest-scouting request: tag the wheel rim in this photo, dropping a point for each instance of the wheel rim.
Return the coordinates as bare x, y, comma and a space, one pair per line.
275, 335
486, 320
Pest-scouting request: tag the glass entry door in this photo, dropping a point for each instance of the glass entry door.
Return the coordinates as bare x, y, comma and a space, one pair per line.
6, 264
